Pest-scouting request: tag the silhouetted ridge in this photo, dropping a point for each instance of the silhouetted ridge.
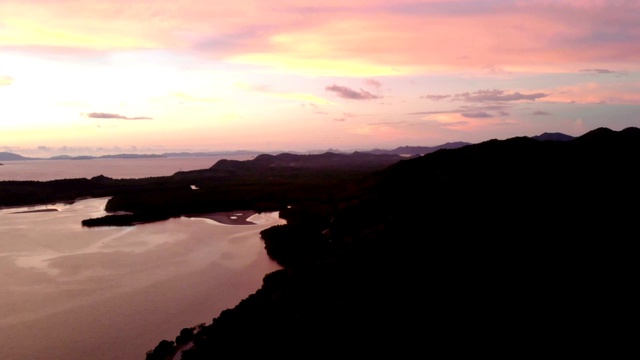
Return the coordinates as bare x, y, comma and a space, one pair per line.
496, 247
631, 131
556, 136
419, 150
326, 160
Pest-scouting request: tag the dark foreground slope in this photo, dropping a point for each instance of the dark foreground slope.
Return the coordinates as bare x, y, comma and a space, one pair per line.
504, 248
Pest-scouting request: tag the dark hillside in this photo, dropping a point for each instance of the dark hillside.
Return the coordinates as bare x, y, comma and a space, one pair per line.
503, 248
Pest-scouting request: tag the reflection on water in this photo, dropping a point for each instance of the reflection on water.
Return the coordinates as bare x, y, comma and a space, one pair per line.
113, 293
43, 170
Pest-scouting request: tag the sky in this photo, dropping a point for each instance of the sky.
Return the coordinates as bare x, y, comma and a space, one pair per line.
151, 76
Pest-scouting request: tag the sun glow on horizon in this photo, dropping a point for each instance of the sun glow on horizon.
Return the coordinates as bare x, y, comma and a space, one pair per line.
363, 75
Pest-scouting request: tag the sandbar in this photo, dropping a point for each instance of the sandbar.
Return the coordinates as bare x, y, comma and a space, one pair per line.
35, 211
228, 217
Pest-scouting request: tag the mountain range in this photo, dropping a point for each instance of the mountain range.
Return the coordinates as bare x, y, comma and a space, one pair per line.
402, 150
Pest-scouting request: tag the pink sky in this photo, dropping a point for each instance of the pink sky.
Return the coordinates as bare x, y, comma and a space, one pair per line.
98, 77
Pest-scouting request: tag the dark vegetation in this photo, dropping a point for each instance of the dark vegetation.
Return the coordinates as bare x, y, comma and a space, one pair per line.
504, 248
266, 183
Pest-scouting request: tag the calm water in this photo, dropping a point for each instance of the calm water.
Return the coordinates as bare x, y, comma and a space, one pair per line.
68, 292
44, 170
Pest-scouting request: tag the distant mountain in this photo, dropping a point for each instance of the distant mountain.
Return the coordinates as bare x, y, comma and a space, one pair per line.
555, 136
214, 153
404, 150
116, 156
68, 157
419, 150
316, 161
7, 156
131, 156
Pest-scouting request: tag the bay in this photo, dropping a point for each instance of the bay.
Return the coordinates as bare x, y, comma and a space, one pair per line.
69, 292
44, 170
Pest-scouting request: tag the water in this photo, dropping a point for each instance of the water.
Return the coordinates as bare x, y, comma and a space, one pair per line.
43, 170
68, 292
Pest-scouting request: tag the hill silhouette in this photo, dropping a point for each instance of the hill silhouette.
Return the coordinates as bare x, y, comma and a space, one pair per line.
419, 150
506, 247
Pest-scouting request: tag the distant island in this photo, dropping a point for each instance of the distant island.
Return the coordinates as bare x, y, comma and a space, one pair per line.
7, 156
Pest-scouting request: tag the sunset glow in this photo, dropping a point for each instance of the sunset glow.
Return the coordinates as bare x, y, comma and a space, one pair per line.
84, 77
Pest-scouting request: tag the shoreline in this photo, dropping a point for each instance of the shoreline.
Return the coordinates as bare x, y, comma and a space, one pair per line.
35, 211
227, 217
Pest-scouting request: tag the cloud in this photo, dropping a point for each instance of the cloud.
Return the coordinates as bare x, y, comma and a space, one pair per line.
454, 124
540, 113
347, 93
373, 83
339, 119
100, 115
627, 93
350, 39
477, 115
598, 71
496, 96
304, 98
5, 81
387, 123
470, 116
435, 97
471, 111
434, 112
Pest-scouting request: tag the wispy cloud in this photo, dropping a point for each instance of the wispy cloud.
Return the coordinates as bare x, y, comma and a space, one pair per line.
495, 96
598, 71
373, 83
101, 115
365, 37
540, 113
597, 93
471, 111
348, 93
5, 81
477, 115
471, 115
304, 98
435, 97
487, 96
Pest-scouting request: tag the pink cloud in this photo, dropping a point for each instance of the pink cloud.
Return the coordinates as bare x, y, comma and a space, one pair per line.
411, 36
625, 93
496, 96
373, 83
100, 115
348, 93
